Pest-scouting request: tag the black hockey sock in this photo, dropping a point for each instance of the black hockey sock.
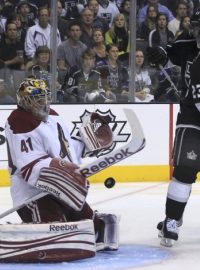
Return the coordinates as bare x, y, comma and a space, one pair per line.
174, 209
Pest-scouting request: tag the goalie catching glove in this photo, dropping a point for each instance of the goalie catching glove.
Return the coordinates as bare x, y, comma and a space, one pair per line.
62, 181
156, 56
95, 133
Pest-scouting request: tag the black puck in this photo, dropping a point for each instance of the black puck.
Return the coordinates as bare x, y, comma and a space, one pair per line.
109, 182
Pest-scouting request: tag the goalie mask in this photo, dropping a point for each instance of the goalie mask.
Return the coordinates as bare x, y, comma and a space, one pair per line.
95, 133
195, 26
34, 96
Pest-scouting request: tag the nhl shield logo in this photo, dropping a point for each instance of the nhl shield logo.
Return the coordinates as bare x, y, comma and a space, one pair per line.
117, 127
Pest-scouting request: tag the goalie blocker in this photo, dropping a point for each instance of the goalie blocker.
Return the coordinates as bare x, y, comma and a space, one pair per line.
49, 242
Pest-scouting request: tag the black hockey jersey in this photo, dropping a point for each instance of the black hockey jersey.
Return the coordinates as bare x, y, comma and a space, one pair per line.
77, 78
184, 53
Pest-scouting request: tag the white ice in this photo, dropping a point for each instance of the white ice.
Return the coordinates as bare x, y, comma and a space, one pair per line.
141, 206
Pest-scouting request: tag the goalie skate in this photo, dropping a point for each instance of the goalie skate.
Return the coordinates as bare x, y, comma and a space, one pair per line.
107, 238
168, 231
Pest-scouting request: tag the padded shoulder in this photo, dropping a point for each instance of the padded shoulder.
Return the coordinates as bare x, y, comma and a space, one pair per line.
21, 121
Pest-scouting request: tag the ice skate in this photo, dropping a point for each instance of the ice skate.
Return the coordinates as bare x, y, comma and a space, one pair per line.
168, 231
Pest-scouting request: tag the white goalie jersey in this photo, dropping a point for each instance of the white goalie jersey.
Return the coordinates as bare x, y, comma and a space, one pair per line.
31, 146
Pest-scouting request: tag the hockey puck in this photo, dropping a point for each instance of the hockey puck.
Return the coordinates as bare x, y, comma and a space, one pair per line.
109, 182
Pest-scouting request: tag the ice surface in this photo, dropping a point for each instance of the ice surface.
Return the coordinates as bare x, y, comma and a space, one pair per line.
140, 207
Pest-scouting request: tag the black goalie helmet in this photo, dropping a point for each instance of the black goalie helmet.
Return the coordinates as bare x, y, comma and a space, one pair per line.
34, 96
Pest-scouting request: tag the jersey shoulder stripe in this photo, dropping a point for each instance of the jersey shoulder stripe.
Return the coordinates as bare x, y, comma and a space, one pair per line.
52, 112
21, 121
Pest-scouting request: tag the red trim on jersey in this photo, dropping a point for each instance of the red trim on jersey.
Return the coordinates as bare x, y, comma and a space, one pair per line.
21, 121
27, 170
52, 112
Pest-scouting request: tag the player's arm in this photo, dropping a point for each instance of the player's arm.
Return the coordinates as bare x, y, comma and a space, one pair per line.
184, 45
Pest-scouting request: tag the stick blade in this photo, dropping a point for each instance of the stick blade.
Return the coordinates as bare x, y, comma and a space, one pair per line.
138, 137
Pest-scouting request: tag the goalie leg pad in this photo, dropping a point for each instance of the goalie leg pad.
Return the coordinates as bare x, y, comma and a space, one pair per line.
49, 242
107, 237
63, 186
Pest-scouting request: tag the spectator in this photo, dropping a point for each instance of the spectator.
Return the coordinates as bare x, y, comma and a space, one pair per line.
125, 9
8, 7
39, 34
86, 21
12, 57
184, 26
21, 32
10, 48
42, 3
196, 4
118, 3
149, 23
72, 9
191, 6
181, 11
40, 67
161, 8
70, 50
118, 34
2, 22
98, 22
62, 23
27, 12
114, 76
107, 10
83, 85
98, 45
161, 35
142, 79
5, 98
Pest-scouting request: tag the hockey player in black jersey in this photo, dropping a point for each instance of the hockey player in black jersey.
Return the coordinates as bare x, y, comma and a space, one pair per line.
184, 52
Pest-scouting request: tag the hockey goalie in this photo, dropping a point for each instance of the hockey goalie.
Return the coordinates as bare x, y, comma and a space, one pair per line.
44, 159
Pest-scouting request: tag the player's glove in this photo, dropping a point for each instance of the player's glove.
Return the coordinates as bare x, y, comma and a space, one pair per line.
156, 56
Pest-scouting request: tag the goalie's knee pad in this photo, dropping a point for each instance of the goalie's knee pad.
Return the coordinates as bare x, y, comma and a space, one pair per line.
185, 174
107, 235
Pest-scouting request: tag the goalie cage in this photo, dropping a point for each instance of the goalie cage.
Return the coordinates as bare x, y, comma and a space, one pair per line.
49, 242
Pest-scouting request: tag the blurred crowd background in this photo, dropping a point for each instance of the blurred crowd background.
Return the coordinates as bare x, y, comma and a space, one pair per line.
83, 49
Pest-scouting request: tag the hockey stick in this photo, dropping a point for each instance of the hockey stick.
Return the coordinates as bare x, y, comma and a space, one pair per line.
169, 80
136, 144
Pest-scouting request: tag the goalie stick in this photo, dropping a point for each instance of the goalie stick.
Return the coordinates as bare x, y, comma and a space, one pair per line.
136, 144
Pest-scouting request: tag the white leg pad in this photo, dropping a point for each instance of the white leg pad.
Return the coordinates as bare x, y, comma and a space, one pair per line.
49, 242
109, 237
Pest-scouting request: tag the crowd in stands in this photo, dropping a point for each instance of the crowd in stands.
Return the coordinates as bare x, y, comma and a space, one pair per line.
92, 48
